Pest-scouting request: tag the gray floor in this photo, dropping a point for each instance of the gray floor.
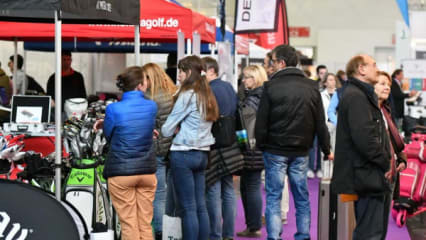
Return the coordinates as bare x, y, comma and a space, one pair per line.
417, 227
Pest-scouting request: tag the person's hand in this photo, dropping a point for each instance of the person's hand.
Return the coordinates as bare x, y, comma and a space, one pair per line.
99, 124
401, 167
177, 130
413, 93
155, 134
331, 156
388, 175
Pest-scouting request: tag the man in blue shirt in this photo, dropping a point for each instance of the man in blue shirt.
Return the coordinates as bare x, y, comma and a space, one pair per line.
221, 192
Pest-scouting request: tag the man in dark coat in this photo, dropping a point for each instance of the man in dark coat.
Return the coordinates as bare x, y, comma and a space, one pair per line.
290, 113
362, 150
398, 95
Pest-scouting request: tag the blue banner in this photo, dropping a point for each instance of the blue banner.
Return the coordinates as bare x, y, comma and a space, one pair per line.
122, 47
403, 7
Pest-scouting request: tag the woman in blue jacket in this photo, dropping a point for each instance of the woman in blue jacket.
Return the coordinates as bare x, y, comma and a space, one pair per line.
130, 166
191, 120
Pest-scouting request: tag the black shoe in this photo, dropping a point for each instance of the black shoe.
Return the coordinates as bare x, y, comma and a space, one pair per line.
250, 234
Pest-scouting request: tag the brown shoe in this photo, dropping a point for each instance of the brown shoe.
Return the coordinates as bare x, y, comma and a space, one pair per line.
250, 234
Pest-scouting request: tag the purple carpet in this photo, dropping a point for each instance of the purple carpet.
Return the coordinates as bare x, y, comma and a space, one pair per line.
394, 233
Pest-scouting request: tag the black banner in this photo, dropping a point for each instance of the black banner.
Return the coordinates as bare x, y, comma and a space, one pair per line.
29, 213
73, 11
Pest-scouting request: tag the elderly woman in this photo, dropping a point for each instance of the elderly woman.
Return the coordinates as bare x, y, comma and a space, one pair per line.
398, 158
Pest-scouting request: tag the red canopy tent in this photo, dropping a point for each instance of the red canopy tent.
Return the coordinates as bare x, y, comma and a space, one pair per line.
160, 21
204, 26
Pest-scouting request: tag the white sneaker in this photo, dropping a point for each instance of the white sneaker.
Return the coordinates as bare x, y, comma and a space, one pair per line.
319, 174
311, 174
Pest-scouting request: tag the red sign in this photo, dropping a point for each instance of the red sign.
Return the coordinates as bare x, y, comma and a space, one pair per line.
299, 31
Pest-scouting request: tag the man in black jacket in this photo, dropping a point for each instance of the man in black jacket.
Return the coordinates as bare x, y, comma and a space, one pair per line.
362, 150
289, 115
398, 95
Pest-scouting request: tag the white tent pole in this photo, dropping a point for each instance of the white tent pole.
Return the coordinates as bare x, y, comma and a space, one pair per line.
25, 83
235, 80
137, 46
15, 67
212, 49
58, 105
188, 47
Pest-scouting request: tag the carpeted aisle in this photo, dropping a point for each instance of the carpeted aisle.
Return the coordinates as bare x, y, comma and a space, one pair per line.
394, 233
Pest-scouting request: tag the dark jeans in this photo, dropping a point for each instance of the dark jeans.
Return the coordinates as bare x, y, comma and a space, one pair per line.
160, 195
372, 215
252, 199
172, 206
188, 173
315, 156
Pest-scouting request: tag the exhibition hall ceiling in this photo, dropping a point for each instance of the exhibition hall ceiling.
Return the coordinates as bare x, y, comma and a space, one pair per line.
210, 7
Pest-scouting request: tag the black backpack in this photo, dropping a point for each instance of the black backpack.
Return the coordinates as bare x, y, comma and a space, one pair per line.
223, 131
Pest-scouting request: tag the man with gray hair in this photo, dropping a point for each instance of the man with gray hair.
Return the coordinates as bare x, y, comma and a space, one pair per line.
290, 114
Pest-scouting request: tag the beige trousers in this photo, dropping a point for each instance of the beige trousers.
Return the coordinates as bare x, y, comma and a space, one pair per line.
132, 198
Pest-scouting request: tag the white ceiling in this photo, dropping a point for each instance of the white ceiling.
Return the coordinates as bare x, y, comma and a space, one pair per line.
209, 8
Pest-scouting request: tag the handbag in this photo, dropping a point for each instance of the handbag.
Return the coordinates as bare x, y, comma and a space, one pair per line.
224, 162
223, 131
172, 228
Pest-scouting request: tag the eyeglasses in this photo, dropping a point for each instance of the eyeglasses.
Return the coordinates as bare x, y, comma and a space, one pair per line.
275, 60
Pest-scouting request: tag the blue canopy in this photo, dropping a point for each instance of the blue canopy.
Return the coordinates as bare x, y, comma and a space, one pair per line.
122, 47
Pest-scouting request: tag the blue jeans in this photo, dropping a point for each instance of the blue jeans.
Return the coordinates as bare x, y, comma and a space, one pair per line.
315, 156
221, 203
251, 197
160, 195
275, 168
188, 173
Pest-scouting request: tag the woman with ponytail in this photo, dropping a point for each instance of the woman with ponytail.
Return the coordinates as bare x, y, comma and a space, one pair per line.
191, 120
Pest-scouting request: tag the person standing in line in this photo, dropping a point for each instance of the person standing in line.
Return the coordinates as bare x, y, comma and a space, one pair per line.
254, 77
362, 150
130, 165
285, 206
221, 200
160, 89
290, 113
191, 120
398, 157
